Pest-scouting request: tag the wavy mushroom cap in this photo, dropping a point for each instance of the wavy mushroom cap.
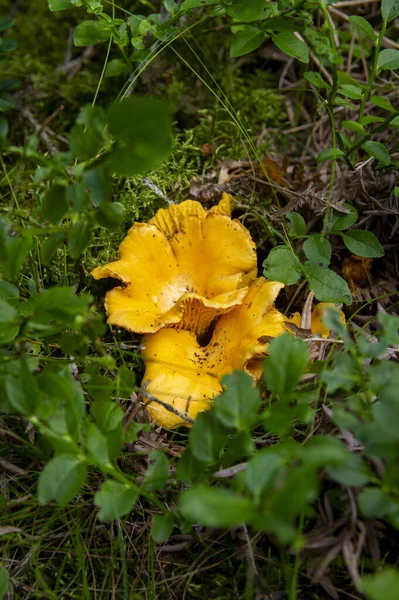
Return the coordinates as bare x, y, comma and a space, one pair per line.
187, 376
183, 268
317, 326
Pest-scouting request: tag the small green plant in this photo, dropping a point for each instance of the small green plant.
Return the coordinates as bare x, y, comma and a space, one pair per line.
284, 264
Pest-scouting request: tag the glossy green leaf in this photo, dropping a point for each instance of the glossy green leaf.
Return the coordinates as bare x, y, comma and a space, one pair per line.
330, 154
377, 150
79, 238
61, 479
90, 32
142, 128
328, 286
282, 265
292, 45
207, 438
351, 91
246, 40
389, 10
388, 59
59, 4
237, 407
188, 4
97, 447
162, 527
316, 79
353, 126
4, 581
297, 224
318, 250
110, 215
9, 325
373, 502
115, 499
157, 474
363, 243
50, 246
382, 585
363, 27
341, 221
353, 473
250, 10
285, 365
261, 469
54, 205
215, 507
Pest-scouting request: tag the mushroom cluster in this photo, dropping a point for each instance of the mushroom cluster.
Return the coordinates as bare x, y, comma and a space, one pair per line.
189, 284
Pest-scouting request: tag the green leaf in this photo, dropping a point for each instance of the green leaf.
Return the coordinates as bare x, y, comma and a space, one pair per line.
188, 4
291, 45
8, 45
54, 205
282, 265
388, 59
157, 474
50, 245
354, 472
333, 320
91, 32
215, 507
9, 292
297, 224
59, 4
207, 438
13, 249
328, 286
56, 307
162, 527
363, 27
390, 324
316, 79
382, 103
353, 126
237, 407
9, 326
110, 215
285, 365
143, 131
351, 91
21, 391
389, 10
247, 10
318, 250
246, 40
116, 67
373, 502
341, 221
97, 447
79, 237
377, 150
126, 381
344, 374
4, 580
382, 585
261, 470
61, 479
329, 154
115, 499
363, 243
6, 23
68, 401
